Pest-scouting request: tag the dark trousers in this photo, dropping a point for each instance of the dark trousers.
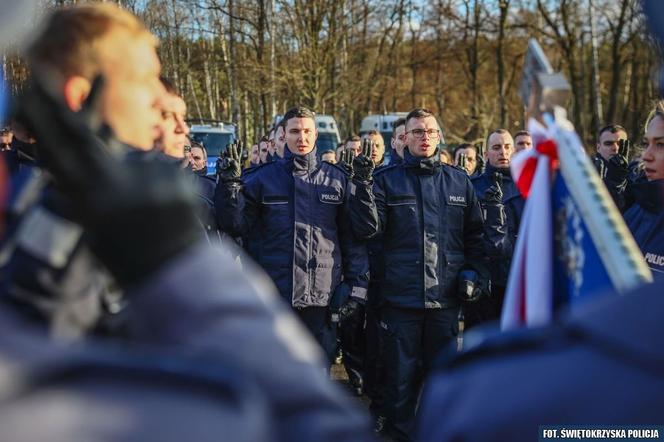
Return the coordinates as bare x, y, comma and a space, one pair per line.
317, 321
374, 361
413, 339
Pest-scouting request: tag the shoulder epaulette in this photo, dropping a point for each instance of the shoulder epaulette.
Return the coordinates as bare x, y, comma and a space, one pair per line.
250, 170
454, 166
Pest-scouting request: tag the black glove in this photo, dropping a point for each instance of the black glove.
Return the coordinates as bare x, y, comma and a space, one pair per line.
136, 214
350, 310
229, 165
481, 165
346, 160
494, 194
363, 165
462, 161
472, 287
617, 168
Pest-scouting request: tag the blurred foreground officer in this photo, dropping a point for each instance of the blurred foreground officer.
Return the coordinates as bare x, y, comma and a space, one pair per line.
71, 297
185, 296
645, 217
512, 384
171, 143
132, 394
432, 230
298, 208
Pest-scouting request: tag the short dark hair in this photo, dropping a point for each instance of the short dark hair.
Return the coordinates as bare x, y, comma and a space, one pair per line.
397, 123
418, 113
198, 145
495, 131
298, 112
463, 146
522, 133
353, 137
613, 128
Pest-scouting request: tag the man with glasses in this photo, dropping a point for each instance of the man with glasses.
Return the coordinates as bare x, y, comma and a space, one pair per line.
431, 224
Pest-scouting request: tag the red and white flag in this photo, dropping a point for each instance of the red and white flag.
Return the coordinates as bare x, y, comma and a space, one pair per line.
529, 292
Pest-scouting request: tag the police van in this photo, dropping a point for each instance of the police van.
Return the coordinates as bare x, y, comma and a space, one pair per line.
383, 124
215, 136
328, 132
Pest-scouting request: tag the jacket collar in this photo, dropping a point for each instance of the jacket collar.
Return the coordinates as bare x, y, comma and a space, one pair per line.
300, 164
490, 170
423, 165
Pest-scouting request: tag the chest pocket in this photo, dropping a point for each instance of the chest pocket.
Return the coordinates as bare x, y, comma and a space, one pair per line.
401, 200
270, 200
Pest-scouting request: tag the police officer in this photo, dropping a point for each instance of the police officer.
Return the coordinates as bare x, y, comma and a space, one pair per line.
279, 140
645, 216
611, 161
522, 141
298, 207
74, 296
493, 188
377, 147
397, 142
465, 156
185, 297
6, 137
432, 229
374, 356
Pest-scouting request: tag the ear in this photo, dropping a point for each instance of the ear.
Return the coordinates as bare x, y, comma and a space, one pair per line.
75, 91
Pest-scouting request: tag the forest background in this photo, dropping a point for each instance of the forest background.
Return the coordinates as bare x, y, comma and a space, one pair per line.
247, 60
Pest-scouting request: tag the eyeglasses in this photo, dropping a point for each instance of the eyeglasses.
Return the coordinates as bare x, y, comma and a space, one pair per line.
419, 133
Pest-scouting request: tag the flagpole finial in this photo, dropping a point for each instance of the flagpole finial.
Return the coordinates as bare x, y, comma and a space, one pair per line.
542, 89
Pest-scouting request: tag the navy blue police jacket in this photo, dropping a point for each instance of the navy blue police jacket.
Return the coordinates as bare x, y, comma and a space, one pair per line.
482, 182
497, 219
298, 209
432, 227
645, 219
584, 370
